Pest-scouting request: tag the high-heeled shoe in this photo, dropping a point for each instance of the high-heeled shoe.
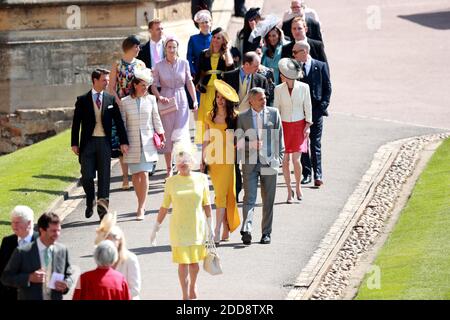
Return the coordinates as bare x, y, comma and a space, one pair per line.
299, 197
290, 201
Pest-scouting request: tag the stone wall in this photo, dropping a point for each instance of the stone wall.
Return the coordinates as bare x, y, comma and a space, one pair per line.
49, 48
25, 127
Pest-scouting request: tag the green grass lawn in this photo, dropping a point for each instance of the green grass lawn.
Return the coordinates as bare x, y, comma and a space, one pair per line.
415, 260
35, 176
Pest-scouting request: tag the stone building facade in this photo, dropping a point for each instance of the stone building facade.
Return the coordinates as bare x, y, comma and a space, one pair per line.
48, 50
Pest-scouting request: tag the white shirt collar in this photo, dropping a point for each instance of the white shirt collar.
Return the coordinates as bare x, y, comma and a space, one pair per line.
27, 238
254, 113
156, 43
42, 246
95, 92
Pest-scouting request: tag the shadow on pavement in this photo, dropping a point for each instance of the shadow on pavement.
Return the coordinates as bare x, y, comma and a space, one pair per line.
77, 224
436, 20
150, 250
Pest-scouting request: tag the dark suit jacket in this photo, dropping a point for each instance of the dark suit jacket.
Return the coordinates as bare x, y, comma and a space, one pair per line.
9, 244
204, 65
145, 55
232, 78
26, 260
317, 50
84, 116
314, 31
319, 83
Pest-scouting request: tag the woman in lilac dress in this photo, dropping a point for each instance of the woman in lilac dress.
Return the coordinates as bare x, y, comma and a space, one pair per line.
171, 75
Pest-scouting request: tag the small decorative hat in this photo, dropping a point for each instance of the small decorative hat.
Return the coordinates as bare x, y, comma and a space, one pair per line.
202, 16
226, 90
144, 74
290, 68
252, 14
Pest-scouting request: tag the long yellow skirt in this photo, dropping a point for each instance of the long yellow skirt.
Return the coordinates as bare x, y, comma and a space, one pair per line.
223, 178
189, 254
206, 105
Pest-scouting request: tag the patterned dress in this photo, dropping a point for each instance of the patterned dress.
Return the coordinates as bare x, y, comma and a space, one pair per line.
125, 73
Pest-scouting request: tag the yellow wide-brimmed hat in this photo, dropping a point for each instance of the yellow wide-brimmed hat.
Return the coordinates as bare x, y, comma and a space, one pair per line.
226, 90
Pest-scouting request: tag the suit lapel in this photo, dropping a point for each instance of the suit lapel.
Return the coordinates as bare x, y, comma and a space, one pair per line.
90, 105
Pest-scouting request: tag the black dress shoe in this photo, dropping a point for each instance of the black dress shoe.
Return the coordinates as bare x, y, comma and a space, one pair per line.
306, 180
246, 238
88, 212
265, 239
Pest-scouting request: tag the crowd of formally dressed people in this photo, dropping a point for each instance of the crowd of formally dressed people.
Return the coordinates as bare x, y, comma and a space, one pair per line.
258, 105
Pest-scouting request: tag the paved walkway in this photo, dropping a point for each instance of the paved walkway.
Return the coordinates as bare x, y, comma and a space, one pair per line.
366, 112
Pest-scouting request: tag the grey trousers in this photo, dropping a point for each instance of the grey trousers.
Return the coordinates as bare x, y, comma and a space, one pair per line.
96, 157
250, 174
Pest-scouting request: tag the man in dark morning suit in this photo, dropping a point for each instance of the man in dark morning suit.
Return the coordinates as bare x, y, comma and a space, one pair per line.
298, 10
22, 218
242, 80
299, 29
33, 266
317, 76
94, 112
153, 51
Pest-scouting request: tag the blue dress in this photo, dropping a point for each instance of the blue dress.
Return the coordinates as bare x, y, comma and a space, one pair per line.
273, 62
197, 43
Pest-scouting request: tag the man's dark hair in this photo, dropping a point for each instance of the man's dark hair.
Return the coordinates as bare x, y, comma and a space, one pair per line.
97, 73
130, 42
152, 22
46, 219
249, 57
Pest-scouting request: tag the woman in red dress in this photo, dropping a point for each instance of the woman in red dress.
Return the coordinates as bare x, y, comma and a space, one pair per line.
103, 283
292, 98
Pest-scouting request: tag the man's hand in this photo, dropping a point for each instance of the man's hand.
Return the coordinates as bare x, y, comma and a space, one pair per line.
76, 150
61, 286
124, 148
255, 144
37, 277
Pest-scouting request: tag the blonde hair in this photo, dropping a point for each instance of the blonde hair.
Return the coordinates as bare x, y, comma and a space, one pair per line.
117, 234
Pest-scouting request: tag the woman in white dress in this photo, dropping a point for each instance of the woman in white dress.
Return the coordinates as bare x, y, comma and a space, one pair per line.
141, 118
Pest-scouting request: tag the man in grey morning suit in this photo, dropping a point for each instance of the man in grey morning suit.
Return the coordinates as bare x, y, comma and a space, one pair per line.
261, 149
32, 266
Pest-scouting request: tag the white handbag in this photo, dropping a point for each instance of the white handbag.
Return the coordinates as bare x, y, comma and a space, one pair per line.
211, 264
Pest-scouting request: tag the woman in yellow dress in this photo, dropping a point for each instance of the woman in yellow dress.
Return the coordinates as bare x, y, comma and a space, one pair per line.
212, 63
188, 193
218, 157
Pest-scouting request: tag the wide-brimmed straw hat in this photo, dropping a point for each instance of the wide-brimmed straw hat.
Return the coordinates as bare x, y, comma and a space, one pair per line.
290, 68
226, 90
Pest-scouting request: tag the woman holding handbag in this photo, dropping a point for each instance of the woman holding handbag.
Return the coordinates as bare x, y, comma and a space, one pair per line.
218, 155
171, 75
141, 118
188, 194
212, 63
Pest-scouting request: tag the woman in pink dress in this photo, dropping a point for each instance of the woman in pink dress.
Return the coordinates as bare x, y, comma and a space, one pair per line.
171, 75
292, 98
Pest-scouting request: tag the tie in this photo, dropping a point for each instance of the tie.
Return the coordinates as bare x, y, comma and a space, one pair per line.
47, 257
22, 242
155, 54
259, 124
304, 70
98, 101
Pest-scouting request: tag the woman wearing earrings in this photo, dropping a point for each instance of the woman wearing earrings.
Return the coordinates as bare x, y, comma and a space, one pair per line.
171, 74
292, 98
141, 118
212, 63
218, 156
